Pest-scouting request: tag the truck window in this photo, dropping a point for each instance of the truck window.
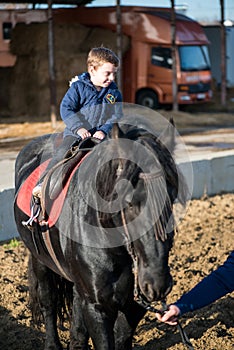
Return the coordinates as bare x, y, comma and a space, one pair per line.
161, 57
194, 58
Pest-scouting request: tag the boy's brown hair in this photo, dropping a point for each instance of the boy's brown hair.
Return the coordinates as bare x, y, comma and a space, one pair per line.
99, 55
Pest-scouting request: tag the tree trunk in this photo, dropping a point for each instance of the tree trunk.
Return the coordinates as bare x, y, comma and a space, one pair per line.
223, 57
52, 79
119, 42
173, 53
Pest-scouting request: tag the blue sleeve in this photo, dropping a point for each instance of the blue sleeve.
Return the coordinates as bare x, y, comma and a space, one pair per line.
70, 107
219, 283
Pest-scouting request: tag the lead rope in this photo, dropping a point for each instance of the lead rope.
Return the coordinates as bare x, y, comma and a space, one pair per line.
185, 339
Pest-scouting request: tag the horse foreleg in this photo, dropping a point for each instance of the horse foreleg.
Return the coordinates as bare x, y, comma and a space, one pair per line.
79, 333
100, 326
44, 296
126, 324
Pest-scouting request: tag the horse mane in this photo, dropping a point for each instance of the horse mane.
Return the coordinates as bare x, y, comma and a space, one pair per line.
162, 153
163, 188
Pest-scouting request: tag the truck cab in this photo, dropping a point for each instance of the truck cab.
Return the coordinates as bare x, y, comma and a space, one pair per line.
151, 60
193, 76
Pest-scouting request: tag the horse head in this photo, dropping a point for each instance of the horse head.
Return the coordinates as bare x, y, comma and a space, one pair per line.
144, 178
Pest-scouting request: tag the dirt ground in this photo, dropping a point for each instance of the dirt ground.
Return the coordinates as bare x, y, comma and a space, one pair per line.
203, 242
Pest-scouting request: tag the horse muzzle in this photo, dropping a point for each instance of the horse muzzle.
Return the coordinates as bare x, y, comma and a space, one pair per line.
156, 289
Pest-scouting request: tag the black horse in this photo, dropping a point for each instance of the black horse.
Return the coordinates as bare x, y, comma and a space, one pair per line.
111, 241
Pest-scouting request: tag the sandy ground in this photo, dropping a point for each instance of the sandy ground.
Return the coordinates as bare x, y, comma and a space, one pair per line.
204, 240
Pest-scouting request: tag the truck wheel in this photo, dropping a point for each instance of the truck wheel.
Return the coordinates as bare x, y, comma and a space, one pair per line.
148, 99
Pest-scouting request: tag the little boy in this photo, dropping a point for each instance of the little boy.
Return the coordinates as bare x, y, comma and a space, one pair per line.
91, 104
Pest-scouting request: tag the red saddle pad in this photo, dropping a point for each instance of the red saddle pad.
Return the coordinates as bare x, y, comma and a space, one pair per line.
24, 196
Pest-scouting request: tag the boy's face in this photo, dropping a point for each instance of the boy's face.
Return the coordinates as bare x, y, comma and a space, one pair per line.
103, 75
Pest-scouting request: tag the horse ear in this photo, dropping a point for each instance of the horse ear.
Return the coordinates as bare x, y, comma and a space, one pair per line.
167, 137
116, 132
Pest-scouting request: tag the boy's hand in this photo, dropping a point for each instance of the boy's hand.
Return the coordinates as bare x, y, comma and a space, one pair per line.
83, 133
170, 316
99, 135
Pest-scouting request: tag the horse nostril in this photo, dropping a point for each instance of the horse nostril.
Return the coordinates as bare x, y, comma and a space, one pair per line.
164, 292
148, 291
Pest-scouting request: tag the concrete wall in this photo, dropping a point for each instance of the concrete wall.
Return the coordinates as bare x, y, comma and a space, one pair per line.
212, 174
8, 228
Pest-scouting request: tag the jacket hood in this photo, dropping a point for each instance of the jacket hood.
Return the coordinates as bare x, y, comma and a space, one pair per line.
85, 78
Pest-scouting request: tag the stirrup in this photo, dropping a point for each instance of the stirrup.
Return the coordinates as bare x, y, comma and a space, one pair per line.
35, 211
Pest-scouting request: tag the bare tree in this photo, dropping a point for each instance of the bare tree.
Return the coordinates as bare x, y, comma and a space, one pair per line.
119, 41
173, 52
223, 57
52, 78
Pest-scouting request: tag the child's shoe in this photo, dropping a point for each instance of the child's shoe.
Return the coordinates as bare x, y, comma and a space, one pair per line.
36, 192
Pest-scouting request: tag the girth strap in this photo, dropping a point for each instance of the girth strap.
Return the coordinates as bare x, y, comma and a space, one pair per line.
46, 238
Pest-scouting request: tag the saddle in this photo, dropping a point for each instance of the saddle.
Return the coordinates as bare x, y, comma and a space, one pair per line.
58, 176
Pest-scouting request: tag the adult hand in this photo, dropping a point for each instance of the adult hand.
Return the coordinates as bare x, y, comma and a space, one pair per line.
170, 316
83, 133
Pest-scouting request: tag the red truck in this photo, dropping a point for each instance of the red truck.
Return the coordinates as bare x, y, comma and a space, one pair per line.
147, 65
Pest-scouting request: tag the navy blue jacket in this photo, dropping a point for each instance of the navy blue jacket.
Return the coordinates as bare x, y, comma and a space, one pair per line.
85, 107
219, 283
